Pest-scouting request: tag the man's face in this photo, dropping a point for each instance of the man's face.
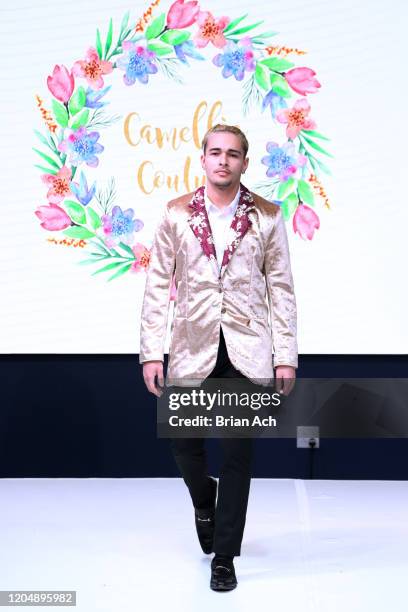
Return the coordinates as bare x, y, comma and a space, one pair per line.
224, 160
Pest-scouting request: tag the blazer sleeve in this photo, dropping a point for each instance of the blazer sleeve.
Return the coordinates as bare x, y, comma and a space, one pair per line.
156, 299
281, 295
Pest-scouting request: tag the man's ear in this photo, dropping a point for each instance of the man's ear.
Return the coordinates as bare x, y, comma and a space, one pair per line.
202, 160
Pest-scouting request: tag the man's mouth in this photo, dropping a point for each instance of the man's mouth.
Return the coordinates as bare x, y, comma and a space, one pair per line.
223, 172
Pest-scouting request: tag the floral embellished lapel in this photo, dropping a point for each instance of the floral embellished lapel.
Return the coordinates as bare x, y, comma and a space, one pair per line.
201, 228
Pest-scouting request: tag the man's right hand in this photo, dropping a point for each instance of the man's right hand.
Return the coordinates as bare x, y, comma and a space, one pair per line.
151, 369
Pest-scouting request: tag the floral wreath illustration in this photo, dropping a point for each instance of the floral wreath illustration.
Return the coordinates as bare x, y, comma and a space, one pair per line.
89, 218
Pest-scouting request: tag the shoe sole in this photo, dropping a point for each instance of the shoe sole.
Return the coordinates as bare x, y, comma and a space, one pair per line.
219, 587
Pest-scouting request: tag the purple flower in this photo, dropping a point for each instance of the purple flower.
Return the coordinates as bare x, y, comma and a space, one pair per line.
236, 58
274, 101
283, 161
187, 49
93, 97
81, 191
120, 225
82, 147
137, 62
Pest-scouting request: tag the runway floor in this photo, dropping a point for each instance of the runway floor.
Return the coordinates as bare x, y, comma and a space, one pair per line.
130, 545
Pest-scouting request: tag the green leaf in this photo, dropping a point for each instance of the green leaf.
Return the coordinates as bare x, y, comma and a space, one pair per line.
285, 188
77, 231
262, 76
127, 248
323, 167
245, 29
93, 260
44, 169
264, 35
305, 192
94, 218
279, 85
110, 266
44, 140
77, 101
81, 119
156, 27
47, 158
289, 206
98, 43
60, 113
175, 37
99, 245
108, 41
277, 63
76, 211
314, 144
120, 271
159, 47
314, 134
234, 23
124, 23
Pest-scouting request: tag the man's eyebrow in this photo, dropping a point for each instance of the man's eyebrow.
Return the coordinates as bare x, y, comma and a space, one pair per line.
228, 150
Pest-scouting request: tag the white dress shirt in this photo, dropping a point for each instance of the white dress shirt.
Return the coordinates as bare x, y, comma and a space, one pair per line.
220, 220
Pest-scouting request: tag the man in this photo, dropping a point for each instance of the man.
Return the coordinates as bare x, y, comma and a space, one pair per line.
234, 316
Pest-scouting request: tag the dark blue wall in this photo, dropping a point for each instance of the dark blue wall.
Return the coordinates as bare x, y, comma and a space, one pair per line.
91, 416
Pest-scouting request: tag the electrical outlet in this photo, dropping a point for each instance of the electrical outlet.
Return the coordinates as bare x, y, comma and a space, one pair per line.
306, 435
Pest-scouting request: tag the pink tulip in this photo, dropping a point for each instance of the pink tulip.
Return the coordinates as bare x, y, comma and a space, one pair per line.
61, 84
182, 14
302, 80
305, 221
53, 217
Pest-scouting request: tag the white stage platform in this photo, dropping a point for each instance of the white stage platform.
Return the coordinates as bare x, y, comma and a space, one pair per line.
130, 545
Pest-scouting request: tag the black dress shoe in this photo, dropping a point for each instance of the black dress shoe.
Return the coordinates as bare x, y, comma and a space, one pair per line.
223, 576
205, 521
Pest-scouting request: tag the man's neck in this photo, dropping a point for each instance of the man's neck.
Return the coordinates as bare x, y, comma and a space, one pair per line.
221, 197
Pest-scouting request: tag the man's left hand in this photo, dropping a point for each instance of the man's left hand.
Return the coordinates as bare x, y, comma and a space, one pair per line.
285, 379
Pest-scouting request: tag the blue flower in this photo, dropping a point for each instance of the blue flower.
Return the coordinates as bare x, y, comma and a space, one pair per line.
236, 58
81, 146
187, 48
93, 97
283, 161
81, 191
274, 101
120, 226
137, 62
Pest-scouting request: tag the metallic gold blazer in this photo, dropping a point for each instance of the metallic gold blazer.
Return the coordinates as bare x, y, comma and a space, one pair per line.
251, 297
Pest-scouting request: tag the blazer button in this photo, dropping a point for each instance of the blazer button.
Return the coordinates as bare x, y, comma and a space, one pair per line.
223, 310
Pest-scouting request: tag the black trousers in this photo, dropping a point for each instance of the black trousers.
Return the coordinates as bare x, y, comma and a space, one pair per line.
234, 474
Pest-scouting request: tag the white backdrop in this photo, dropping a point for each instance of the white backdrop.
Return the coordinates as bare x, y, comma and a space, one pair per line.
350, 280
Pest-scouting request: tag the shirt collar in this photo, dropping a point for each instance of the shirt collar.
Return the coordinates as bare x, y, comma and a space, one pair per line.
231, 208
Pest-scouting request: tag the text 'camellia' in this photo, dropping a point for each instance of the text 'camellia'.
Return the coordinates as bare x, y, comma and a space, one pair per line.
137, 134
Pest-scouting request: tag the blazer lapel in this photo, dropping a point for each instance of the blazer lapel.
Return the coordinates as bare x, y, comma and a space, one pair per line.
239, 226
200, 225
